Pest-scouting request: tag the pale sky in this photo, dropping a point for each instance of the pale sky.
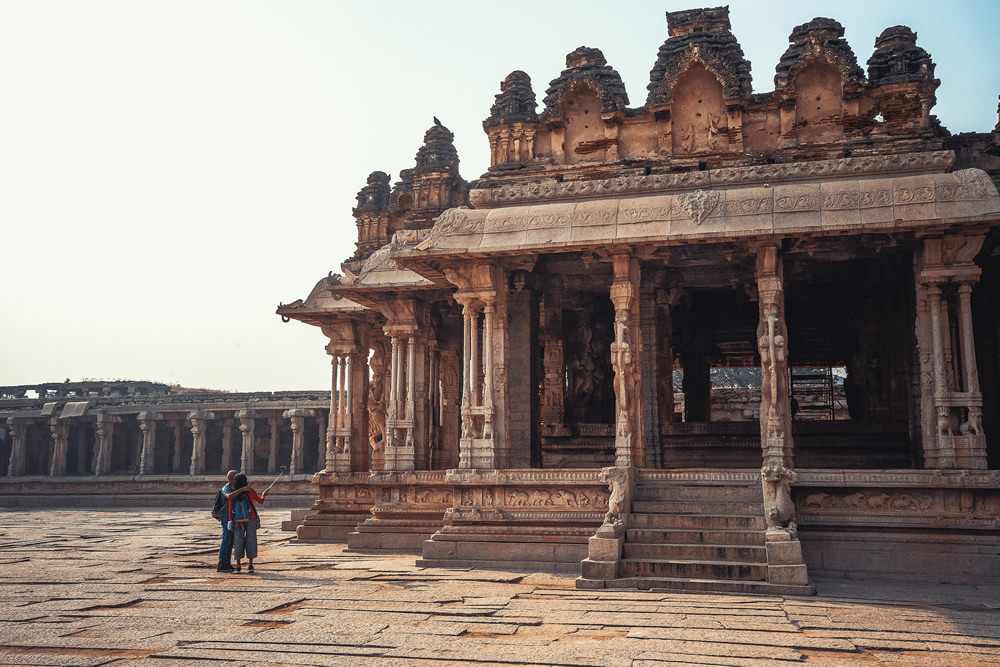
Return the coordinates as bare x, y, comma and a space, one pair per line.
171, 171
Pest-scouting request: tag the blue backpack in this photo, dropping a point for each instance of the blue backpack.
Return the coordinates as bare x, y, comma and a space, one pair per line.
241, 509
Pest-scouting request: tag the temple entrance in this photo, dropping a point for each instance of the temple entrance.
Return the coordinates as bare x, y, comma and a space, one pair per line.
849, 308
715, 378
576, 329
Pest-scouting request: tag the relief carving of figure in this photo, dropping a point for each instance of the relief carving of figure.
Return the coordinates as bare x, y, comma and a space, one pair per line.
687, 139
621, 356
714, 131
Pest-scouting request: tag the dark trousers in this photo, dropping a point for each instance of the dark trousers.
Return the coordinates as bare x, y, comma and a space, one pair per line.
226, 548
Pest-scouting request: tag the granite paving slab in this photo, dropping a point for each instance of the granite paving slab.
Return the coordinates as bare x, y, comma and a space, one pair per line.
139, 587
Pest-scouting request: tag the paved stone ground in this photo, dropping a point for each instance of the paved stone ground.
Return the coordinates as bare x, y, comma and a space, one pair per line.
139, 587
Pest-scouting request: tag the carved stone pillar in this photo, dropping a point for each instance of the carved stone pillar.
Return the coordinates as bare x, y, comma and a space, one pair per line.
951, 403
338, 443
178, 425
197, 421
104, 430
772, 341
227, 444
401, 426
553, 404
274, 421
450, 406
407, 424
347, 441
297, 419
485, 440
60, 446
147, 424
18, 448
784, 551
625, 360
377, 401
321, 440
247, 428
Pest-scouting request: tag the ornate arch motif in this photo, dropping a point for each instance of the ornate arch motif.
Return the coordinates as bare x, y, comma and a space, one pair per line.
724, 62
821, 39
585, 66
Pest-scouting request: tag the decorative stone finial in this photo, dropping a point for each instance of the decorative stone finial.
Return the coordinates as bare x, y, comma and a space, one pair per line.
375, 195
708, 19
821, 37
585, 57
586, 64
516, 101
701, 35
898, 59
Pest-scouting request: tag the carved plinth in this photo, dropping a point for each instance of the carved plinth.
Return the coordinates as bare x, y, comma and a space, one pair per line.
409, 506
345, 500
526, 519
785, 565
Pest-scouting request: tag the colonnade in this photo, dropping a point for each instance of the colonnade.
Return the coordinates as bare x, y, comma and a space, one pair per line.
103, 442
404, 415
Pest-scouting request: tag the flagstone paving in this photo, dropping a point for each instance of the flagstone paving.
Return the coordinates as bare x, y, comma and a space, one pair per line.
138, 587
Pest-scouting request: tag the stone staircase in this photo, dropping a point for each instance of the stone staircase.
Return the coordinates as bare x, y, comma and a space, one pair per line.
695, 535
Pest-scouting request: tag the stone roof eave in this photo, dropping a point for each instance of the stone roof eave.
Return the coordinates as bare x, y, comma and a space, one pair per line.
924, 202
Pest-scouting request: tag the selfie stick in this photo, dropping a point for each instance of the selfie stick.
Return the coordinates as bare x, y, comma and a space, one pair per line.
283, 471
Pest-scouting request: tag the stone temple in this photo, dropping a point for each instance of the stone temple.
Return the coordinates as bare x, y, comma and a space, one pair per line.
719, 340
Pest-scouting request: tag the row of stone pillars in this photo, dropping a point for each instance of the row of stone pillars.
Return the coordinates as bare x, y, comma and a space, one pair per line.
196, 421
400, 426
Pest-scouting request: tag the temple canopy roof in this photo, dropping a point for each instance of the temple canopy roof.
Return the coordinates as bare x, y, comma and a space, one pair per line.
319, 305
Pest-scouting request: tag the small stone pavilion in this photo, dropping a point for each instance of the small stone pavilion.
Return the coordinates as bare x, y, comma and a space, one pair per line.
530, 369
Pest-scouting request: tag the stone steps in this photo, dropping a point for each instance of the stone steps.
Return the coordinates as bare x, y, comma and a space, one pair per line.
706, 552
697, 507
699, 492
693, 569
695, 521
675, 584
704, 537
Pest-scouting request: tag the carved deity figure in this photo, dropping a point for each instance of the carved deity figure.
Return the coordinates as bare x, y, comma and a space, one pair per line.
715, 130
687, 139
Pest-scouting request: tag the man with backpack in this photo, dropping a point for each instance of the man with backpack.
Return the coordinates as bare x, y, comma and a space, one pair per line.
219, 512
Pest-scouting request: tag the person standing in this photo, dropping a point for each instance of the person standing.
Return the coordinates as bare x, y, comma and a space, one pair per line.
226, 548
244, 520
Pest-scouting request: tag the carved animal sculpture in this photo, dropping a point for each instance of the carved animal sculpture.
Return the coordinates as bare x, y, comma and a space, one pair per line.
777, 482
617, 479
567, 497
540, 497
855, 501
905, 501
518, 498
817, 500
878, 501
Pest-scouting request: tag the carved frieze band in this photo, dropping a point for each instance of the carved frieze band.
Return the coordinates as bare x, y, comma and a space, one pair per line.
903, 507
722, 205
844, 167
